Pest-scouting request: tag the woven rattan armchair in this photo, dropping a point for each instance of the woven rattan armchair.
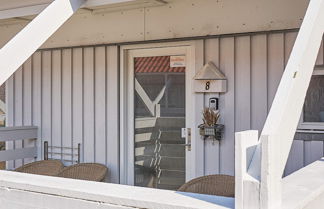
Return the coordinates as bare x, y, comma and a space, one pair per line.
220, 185
85, 171
44, 167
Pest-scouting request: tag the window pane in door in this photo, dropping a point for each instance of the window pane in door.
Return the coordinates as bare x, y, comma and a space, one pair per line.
314, 102
159, 116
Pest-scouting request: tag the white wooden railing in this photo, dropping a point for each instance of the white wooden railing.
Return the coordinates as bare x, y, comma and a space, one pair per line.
21, 191
307, 148
9, 134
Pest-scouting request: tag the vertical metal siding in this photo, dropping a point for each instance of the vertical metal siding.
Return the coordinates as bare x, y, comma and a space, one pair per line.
71, 95
253, 65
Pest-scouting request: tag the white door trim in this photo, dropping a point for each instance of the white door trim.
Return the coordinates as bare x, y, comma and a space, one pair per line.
195, 104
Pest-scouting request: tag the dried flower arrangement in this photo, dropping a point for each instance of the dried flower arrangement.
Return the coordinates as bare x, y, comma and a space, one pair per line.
210, 116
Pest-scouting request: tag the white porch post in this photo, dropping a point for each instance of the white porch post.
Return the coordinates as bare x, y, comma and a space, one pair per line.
26, 42
246, 187
271, 153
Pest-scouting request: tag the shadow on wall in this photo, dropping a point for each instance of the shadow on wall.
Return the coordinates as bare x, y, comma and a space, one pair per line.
2, 120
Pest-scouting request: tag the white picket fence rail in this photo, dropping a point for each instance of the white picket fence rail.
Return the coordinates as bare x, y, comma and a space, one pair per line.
9, 134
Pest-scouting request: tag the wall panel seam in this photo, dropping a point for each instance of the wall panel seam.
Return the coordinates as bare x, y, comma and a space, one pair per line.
267, 71
41, 100
32, 95
14, 112
51, 98
285, 51
219, 144
204, 105
220, 147
94, 104
235, 81
106, 105
252, 122
72, 103
119, 111
61, 102
23, 104
83, 99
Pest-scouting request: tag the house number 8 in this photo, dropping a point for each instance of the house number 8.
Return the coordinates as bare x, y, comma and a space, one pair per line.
207, 85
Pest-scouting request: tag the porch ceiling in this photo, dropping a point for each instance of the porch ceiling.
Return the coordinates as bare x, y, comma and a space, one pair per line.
28, 9
13, 4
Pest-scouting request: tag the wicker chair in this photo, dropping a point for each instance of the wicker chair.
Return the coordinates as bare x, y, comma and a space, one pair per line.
85, 171
44, 167
220, 185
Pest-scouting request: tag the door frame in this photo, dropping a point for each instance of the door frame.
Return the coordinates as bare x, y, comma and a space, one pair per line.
194, 104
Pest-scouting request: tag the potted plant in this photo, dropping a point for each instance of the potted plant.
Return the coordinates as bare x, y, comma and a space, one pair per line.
210, 127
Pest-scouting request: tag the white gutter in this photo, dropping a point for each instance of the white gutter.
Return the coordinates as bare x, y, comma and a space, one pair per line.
22, 11
96, 3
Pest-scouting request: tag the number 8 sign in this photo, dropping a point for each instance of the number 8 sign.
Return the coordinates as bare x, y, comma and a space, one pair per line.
207, 85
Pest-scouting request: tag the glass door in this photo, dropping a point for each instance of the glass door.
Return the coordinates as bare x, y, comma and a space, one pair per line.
159, 116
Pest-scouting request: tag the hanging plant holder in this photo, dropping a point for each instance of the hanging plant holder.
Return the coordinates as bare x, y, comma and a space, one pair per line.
210, 129
211, 132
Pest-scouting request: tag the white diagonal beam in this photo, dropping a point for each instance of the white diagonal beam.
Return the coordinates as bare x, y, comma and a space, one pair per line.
286, 108
27, 41
278, 133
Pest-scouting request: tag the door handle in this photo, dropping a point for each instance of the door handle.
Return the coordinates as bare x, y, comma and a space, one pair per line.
186, 133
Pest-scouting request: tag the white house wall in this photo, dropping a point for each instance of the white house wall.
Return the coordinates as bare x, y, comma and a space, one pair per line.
72, 96
179, 18
253, 66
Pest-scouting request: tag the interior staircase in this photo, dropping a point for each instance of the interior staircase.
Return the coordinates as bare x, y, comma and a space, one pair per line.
159, 152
